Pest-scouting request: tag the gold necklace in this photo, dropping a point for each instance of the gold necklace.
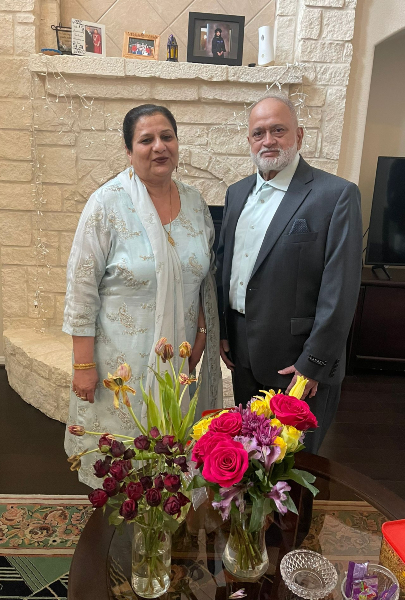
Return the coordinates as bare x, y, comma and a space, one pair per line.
169, 233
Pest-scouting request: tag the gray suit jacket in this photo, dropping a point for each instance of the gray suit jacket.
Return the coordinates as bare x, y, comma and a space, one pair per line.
303, 290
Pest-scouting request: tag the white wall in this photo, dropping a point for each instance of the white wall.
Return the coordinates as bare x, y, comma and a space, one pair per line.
385, 125
376, 20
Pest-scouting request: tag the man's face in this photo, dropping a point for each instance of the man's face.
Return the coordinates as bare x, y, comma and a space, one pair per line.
274, 136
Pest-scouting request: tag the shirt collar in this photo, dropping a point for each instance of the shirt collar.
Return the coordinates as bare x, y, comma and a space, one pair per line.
283, 178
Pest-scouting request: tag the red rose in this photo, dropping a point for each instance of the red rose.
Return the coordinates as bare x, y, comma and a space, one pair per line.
230, 423
117, 448
158, 483
147, 482
182, 499
102, 467
172, 483
205, 444
111, 486
98, 498
129, 510
153, 497
294, 412
134, 490
226, 463
119, 469
142, 442
172, 506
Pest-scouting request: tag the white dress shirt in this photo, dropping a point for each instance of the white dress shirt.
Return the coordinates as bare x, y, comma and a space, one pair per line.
253, 223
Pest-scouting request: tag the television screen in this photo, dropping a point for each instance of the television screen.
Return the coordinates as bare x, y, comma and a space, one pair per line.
386, 237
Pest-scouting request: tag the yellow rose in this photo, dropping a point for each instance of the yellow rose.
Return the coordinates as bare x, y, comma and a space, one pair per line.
298, 389
201, 428
260, 407
283, 447
276, 423
291, 437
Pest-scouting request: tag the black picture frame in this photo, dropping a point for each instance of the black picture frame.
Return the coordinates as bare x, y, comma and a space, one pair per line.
63, 38
200, 50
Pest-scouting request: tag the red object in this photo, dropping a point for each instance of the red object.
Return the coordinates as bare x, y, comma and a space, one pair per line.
394, 534
205, 413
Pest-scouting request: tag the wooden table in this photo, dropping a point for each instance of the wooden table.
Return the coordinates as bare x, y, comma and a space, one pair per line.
90, 574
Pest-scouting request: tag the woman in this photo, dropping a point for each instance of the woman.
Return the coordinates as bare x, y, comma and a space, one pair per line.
141, 267
218, 44
97, 42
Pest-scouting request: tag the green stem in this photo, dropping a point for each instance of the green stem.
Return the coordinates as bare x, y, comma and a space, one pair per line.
137, 422
173, 371
182, 394
125, 437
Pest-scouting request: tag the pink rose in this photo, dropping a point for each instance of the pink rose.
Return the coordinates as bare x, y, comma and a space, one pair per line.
291, 411
205, 444
226, 463
230, 423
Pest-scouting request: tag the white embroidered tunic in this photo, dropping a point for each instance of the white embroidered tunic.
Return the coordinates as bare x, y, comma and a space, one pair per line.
111, 295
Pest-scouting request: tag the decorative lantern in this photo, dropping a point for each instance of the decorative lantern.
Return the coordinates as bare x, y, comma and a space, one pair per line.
172, 49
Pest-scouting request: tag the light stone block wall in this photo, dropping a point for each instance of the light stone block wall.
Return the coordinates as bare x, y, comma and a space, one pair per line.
78, 148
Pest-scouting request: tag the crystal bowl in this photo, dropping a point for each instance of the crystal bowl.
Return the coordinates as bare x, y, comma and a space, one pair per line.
385, 580
308, 574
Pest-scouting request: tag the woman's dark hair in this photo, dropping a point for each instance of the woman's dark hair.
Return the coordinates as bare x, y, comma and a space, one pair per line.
218, 29
144, 110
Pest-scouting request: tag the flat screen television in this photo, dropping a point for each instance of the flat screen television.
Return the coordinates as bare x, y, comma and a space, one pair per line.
386, 237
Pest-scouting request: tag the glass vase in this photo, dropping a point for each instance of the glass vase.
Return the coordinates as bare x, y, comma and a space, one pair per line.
245, 554
151, 560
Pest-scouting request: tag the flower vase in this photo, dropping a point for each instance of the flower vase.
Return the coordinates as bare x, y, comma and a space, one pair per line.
245, 554
151, 560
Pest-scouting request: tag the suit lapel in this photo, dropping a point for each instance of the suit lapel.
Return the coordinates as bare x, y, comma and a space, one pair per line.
297, 191
238, 201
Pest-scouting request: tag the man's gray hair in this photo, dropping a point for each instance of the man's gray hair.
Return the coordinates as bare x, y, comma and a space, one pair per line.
282, 98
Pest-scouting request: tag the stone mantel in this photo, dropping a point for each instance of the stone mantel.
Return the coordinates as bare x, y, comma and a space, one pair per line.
124, 67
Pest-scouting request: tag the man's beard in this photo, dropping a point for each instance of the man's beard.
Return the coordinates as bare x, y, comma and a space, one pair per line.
265, 165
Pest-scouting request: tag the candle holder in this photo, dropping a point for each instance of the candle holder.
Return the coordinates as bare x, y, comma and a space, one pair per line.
172, 49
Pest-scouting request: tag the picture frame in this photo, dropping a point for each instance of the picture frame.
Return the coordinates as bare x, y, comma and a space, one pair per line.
215, 39
63, 38
88, 39
144, 46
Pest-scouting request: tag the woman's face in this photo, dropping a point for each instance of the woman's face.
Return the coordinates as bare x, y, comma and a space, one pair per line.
155, 149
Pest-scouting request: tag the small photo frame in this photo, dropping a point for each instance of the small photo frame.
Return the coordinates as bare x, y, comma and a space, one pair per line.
63, 38
141, 45
88, 39
215, 39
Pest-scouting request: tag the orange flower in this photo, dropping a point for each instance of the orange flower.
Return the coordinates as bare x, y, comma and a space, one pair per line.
116, 384
185, 350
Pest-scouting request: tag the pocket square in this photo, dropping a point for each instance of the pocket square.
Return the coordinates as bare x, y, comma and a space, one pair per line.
299, 226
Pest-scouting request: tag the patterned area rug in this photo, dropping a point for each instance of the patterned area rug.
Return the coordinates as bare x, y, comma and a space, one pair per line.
38, 535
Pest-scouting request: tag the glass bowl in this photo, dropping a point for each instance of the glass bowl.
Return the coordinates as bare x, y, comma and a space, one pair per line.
385, 580
308, 574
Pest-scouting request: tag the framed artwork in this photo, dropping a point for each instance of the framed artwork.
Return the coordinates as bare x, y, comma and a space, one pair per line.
88, 39
63, 38
215, 39
140, 45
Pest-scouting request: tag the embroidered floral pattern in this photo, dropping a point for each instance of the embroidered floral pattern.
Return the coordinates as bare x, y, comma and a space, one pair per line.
120, 226
126, 320
187, 224
86, 270
149, 306
85, 318
95, 220
194, 267
150, 257
129, 277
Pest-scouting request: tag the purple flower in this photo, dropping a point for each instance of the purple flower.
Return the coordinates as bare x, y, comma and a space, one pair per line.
117, 448
142, 442
236, 492
181, 461
154, 432
277, 494
250, 445
102, 467
270, 455
259, 427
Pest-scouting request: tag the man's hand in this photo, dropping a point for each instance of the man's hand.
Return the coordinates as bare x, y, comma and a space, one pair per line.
310, 389
224, 348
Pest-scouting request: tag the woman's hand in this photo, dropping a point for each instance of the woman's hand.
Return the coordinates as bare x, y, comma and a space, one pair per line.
197, 351
84, 384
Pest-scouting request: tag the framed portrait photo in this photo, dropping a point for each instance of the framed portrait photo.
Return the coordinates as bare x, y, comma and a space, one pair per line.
140, 45
215, 39
88, 39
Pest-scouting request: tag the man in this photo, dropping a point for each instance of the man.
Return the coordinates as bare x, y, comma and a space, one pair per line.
289, 267
218, 44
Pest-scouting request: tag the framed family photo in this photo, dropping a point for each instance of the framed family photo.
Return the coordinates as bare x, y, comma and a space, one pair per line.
140, 45
88, 39
215, 39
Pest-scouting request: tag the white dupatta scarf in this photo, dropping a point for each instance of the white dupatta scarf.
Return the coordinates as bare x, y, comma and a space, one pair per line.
169, 313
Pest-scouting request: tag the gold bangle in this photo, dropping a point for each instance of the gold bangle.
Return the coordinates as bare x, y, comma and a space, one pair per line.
201, 330
83, 366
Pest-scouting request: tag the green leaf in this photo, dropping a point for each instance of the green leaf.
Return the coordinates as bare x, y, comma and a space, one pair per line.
198, 481
115, 518
260, 474
169, 380
170, 522
267, 507
257, 513
188, 420
290, 504
304, 479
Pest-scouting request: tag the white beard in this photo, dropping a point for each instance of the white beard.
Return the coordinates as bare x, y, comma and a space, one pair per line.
280, 162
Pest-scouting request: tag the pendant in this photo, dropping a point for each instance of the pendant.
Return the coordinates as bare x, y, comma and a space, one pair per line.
170, 239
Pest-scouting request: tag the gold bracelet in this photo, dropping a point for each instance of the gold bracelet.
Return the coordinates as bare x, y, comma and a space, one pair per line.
202, 330
83, 366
